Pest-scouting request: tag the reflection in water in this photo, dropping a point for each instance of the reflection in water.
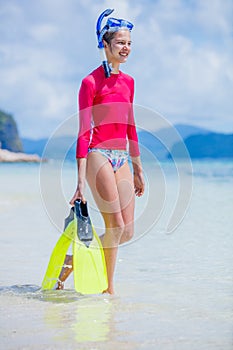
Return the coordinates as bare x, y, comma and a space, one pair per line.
89, 320
69, 314
92, 320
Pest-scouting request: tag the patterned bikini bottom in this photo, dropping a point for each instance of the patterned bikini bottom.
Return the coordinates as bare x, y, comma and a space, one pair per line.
116, 157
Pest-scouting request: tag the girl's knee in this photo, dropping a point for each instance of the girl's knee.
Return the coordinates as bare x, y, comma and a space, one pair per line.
119, 230
115, 230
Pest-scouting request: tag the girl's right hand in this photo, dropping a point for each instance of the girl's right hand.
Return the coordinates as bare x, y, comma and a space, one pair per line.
78, 195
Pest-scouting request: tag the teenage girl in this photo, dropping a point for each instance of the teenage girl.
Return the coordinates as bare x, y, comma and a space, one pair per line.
107, 138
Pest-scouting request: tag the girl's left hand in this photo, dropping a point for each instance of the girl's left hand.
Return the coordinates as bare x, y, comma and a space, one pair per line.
139, 184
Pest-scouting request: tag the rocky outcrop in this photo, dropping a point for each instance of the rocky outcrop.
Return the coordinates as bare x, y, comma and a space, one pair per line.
11, 148
9, 137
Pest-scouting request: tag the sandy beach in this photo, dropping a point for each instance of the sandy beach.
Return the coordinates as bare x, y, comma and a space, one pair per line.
13, 157
173, 291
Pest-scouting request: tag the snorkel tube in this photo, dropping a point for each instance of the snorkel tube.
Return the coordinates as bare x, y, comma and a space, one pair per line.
107, 69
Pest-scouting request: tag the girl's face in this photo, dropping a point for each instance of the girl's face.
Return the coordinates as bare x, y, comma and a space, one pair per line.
119, 48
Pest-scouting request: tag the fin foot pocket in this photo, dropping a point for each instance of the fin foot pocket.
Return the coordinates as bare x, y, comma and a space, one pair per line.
84, 226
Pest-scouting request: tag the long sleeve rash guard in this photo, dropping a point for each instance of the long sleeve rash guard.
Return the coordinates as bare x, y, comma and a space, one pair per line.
106, 118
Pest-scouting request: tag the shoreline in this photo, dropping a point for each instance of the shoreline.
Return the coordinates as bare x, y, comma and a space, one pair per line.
16, 157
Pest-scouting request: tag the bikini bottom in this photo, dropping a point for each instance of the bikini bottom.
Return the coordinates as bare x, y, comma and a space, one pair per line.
116, 157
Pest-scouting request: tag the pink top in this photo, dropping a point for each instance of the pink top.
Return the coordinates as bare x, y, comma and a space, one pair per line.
106, 118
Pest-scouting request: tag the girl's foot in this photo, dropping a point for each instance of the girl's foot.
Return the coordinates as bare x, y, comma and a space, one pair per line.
60, 285
109, 290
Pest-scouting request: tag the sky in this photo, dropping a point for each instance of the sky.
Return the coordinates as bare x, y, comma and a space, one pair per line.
181, 59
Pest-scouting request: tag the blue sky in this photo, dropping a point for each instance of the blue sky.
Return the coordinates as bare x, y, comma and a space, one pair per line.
182, 59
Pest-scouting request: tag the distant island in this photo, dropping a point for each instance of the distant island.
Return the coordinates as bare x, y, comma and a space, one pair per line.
199, 142
208, 146
11, 147
162, 144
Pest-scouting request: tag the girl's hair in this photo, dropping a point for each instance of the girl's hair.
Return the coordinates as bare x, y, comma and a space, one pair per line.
108, 36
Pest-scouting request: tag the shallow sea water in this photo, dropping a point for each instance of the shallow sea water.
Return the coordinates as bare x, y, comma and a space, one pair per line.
173, 291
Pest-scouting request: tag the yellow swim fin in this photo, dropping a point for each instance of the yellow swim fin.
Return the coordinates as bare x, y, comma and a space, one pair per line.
59, 253
90, 274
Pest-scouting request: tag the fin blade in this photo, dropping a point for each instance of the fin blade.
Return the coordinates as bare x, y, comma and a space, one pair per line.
90, 274
57, 258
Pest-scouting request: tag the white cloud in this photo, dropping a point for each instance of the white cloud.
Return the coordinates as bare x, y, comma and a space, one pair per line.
44, 32
215, 16
183, 69
181, 58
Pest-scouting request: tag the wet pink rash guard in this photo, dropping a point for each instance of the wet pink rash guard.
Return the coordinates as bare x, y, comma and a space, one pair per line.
106, 118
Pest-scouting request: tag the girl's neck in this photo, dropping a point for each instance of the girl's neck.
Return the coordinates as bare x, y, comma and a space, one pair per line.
114, 68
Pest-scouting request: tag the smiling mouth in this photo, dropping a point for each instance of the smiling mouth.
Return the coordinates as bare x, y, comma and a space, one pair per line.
123, 54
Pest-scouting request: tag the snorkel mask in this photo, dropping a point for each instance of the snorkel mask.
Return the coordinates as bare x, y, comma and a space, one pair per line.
112, 25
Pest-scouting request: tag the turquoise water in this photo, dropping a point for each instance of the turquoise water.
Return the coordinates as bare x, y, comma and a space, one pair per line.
173, 290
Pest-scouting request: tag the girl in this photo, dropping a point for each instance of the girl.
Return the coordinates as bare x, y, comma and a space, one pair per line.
106, 127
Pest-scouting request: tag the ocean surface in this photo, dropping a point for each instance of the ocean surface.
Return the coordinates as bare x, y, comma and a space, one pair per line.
174, 281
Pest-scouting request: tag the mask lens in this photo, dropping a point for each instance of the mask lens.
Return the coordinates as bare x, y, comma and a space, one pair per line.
115, 23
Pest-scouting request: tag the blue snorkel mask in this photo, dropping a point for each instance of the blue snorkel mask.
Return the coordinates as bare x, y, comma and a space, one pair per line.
112, 25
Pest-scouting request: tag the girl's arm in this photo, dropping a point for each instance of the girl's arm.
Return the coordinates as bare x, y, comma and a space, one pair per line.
86, 94
79, 193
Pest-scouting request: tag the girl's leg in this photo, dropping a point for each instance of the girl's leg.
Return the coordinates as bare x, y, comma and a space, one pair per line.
65, 272
113, 194
125, 185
